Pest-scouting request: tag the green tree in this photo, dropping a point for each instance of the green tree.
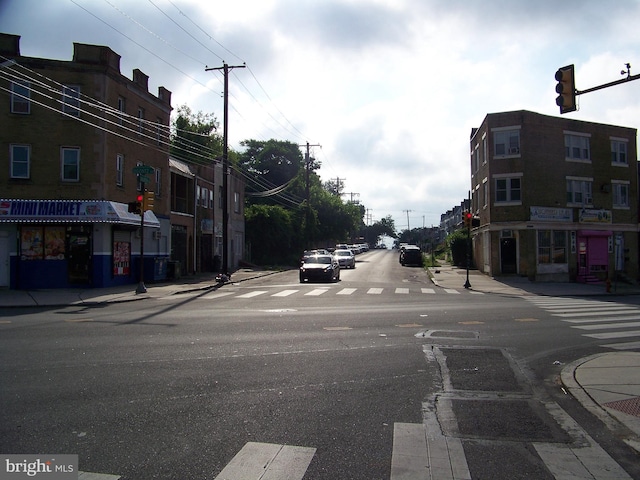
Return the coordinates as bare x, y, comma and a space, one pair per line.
194, 137
276, 247
386, 226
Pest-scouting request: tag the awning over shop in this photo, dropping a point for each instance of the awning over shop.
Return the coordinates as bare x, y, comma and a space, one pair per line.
72, 211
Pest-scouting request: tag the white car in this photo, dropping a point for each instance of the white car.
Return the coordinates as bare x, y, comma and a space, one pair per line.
345, 258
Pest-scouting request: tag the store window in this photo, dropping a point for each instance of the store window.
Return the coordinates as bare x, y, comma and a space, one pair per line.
42, 243
552, 247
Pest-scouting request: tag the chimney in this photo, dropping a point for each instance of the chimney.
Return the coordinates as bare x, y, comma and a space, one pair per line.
141, 79
9, 45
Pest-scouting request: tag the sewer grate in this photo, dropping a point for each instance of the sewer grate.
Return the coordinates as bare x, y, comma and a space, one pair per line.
630, 406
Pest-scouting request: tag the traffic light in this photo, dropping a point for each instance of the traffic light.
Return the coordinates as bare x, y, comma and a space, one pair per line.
468, 216
149, 198
566, 89
136, 207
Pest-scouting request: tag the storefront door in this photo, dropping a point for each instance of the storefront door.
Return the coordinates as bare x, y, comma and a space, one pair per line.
79, 256
508, 255
4, 259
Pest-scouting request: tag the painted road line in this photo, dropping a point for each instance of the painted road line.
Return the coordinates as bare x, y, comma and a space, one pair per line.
252, 294
268, 461
96, 476
603, 336
429, 291
346, 291
285, 293
603, 326
374, 291
451, 290
597, 320
403, 291
593, 313
317, 291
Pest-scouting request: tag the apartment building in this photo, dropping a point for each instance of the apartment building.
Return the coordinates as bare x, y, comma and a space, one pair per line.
556, 198
73, 134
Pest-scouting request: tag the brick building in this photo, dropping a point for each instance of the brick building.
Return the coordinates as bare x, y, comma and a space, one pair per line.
556, 198
72, 133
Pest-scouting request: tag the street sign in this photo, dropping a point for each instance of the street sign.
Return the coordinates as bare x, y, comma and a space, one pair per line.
143, 179
143, 170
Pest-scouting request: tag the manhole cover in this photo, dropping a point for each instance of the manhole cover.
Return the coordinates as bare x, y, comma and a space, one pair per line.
515, 420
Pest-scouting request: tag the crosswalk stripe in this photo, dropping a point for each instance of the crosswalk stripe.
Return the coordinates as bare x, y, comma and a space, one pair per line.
594, 313
374, 291
604, 336
285, 293
346, 291
451, 290
428, 290
268, 461
596, 320
403, 291
608, 308
255, 293
316, 292
623, 345
602, 326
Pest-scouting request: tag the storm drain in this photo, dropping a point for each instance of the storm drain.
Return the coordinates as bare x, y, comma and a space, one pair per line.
513, 420
630, 406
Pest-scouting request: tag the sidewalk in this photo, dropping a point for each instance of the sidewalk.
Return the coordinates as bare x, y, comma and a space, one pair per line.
607, 384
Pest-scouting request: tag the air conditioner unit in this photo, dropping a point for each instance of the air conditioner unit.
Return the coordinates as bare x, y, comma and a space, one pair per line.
514, 151
157, 234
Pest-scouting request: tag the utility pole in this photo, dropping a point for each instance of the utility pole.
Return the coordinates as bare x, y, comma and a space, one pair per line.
352, 194
408, 227
225, 165
338, 185
307, 160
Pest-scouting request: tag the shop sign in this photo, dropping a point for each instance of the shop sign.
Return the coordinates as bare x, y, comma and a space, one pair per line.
595, 216
551, 214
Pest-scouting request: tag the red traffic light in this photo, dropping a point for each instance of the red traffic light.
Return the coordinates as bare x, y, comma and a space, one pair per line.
139, 198
566, 89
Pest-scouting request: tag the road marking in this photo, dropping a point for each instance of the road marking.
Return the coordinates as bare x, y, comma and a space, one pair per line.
96, 476
602, 336
215, 295
285, 293
374, 291
428, 290
592, 313
596, 320
317, 291
527, 320
451, 290
346, 291
252, 294
623, 346
602, 326
404, 291
336, 329
268, 461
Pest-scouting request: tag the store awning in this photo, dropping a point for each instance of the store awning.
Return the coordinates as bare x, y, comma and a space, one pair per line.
72, 211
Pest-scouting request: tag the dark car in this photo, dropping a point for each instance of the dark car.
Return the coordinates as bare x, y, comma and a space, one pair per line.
320, 267
411, 255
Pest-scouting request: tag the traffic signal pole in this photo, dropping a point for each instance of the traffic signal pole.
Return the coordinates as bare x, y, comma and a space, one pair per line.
141, 286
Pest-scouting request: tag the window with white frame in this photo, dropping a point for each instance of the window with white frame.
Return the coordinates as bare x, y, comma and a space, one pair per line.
508, 189
485, 147
198, 195
506, 142
619, 151
579, 191
71, 100
211, 198
20, 161
121, 109
577, 147
236, 202
620, 193
119, 170
552, 247
21, 97
205, 198
70, 164
485, 193
140, 119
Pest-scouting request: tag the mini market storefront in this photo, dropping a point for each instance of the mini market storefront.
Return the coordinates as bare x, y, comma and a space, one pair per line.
69, 243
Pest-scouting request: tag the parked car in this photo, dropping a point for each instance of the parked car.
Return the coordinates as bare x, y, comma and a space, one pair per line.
319, 267
411, 255
345, 258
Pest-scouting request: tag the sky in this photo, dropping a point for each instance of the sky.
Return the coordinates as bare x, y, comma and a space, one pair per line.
385, 92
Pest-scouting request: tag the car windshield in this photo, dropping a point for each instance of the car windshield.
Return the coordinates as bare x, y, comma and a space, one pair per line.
323, 259
343, 253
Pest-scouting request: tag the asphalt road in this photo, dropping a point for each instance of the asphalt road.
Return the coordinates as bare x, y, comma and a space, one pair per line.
174, 388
